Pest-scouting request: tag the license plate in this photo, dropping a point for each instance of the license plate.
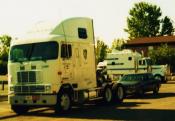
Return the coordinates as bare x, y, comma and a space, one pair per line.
34, 97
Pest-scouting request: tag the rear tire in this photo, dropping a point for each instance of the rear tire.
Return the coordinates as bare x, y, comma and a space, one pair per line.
119, 93
63, 103
18, 109
108, 97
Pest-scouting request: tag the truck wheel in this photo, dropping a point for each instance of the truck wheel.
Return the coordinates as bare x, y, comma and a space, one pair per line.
19, 109
108, 95
156, 90
63, 103
120, 94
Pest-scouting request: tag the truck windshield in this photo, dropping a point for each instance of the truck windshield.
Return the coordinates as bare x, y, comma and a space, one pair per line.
34, 51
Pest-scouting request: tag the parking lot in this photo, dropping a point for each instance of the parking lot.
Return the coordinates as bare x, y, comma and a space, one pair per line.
148, 107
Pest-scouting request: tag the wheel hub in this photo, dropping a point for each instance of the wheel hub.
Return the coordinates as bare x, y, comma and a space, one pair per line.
108, 95
120, 93
65, 102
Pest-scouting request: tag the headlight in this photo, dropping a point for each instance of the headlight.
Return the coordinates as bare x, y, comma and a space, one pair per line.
48, 88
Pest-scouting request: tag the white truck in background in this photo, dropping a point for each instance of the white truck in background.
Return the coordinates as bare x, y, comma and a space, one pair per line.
123, 62
57, 69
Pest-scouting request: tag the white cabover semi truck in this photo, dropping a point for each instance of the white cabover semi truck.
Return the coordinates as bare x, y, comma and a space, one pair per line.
57, 69
127, 62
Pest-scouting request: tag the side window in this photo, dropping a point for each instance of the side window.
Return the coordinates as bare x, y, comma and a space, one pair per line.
142, 62
113, 63
145, 76
141, 77
129, 58
82, 33
150, 77
66, 50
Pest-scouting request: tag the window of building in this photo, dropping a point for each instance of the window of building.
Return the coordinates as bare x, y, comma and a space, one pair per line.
113, 63
82, 33
66, 50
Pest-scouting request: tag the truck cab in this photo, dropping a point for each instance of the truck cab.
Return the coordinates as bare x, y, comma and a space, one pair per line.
56, 69
158, 71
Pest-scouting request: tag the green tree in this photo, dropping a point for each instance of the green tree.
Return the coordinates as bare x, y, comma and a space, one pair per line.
163, 55
167, 27
145, 21
4, 50
117, 44
101, 50
5, 40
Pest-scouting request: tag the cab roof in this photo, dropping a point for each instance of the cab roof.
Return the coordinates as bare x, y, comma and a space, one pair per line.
34, 39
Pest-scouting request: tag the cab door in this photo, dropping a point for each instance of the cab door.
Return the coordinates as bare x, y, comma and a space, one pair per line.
67, 63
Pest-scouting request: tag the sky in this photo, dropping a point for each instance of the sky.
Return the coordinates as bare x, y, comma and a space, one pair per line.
109, 16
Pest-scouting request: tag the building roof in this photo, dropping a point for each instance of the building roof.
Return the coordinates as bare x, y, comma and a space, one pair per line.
152, 40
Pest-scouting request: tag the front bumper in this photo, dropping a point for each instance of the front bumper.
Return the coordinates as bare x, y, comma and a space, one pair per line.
32, 100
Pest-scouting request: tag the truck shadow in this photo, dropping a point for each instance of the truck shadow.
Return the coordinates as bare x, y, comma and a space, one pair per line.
106, 112
112, 112
151, 96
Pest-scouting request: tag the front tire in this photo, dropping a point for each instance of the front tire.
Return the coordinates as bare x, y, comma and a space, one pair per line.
18, 109
156, 90
159, 78
63, 103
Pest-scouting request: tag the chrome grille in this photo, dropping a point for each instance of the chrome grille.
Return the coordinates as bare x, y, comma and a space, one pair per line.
29, 89
32, 76
26, 76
